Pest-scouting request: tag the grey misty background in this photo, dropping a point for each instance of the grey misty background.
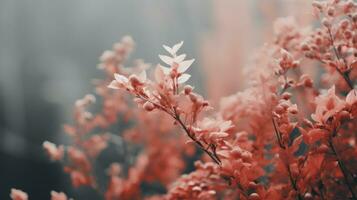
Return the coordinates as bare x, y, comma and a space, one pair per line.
49, 51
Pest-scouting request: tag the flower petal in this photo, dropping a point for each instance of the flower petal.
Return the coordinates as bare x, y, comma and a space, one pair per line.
166, 59
183, 78
185, 65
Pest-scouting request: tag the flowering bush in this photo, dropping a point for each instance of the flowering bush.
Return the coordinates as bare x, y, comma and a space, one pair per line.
287, 136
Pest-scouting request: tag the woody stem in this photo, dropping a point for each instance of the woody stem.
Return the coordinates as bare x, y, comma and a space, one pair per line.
343, 169
292, 181
188, 132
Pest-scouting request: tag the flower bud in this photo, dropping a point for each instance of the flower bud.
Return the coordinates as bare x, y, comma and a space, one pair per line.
344, 115
293, 110
90, 98
331, 11
193, 97
347, 34
317, 5
134, 80
308, 196
305, 47
254, 196
188, 89
148, 106
326, 23
295, 64
236, 153
173, 74
107, 56
128, 40
252, 185
286, 95
344, 24
354, 17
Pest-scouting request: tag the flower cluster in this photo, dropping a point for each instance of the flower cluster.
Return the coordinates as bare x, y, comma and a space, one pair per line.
169, 93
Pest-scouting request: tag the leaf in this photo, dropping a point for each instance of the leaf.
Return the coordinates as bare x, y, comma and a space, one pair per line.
142, 76
176, 47
113, 85
219, 135
159, 73
168, 49
166, 59
183, 78
315, 135
226, 125
352, 97
353, 64
166, 70
120, 78
180, 58
185, 65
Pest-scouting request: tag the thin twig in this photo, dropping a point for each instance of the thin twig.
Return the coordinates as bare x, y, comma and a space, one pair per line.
344, 75
188, 132
277, 134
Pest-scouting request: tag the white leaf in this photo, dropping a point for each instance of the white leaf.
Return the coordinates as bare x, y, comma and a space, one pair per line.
217, 135
179, 58
226, 125
120, 78
142, 76
176, 47
166, 70
113, 85
185, 65
168, 49
159, 74
183, 78
166, 59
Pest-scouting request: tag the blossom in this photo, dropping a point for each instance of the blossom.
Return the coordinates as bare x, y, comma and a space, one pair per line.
58, 196
18, 195
54, 152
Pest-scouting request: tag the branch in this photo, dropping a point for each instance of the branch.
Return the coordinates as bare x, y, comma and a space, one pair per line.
343, 169
343, 74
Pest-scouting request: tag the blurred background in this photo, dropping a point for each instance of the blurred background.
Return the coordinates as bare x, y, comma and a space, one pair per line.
49, 51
